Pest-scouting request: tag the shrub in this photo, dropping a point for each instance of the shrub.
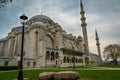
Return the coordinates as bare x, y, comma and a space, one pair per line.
6, 68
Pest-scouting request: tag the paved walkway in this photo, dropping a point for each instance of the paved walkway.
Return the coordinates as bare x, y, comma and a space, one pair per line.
107, 68
91, 68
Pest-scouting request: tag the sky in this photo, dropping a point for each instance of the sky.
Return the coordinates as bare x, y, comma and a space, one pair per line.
102, 15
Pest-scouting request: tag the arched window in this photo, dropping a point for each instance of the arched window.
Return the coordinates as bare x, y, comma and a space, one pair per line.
64, 60
57, 55
73, 59
28, 63
49, 41
52, 56
34, 64
47, 55
86, 60
68, 59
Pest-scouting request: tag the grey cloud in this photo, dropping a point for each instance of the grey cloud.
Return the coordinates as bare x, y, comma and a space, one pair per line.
101, 14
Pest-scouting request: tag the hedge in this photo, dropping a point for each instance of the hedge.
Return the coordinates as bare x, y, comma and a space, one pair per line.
6, 68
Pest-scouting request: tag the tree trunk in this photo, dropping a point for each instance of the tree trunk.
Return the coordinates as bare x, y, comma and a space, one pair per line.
115, 61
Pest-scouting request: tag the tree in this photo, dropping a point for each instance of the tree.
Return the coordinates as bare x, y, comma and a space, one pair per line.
113, 52
4, 2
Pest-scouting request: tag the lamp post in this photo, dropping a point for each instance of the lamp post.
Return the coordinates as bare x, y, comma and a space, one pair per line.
20, 74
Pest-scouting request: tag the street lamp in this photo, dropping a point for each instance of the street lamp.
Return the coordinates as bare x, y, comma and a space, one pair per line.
20, 75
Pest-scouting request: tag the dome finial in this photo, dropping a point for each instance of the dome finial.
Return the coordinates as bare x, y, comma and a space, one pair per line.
41, 13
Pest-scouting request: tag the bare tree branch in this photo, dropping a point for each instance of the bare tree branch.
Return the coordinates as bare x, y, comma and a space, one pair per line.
4, 2
113, 52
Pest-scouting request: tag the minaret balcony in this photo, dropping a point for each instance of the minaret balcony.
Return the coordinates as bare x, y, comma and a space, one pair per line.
97, 38
82, 12
83, 24
97, 43
83, 18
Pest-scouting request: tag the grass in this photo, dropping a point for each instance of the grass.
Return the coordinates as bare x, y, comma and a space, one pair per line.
85, 73
100, 74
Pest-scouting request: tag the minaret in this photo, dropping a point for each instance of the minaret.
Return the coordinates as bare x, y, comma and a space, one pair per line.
98, 44
84, 30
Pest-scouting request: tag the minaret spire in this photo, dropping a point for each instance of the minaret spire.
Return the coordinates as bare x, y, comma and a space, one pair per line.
84, 30
96, 34
81, 5
98, 44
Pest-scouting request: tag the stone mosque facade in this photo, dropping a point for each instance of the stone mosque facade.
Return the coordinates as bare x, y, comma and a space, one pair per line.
46, 44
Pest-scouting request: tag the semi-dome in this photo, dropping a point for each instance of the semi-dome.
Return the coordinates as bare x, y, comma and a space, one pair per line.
39, 18
37, 24
18, 29
79, 38
3, 39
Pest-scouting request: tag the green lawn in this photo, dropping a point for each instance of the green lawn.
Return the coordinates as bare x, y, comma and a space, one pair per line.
85, 73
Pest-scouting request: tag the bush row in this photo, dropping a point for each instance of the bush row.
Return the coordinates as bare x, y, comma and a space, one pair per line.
6, 68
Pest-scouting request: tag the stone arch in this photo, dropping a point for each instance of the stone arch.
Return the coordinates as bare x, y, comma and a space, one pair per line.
73, 59
76, 60
52, 56
47, 55
64, 59
87, 60
68, 60
56, 55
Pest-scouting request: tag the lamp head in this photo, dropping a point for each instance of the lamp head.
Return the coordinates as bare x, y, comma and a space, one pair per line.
23, 17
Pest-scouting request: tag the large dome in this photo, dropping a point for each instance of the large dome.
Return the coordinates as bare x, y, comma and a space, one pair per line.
39, 18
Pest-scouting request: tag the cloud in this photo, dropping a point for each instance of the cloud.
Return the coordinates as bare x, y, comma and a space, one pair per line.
102, 15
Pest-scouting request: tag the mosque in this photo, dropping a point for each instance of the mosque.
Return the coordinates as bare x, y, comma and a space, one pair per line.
46, 44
